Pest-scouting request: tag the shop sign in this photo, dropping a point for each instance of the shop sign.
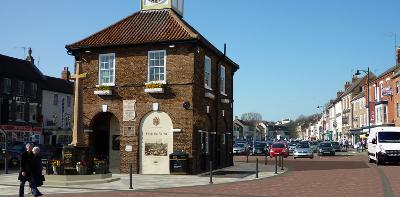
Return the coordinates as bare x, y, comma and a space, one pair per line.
13, 128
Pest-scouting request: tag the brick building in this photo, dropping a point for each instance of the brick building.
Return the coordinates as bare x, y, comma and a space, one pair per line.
20, 96
154, 86
396, 91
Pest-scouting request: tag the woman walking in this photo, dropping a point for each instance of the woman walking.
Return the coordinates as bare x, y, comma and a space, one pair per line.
36, 172
24, 173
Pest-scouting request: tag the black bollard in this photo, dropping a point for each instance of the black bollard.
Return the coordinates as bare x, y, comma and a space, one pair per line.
257, 168
130, 176
211, 173
282, 162
266, 159
5, 163
276, 164
247, 157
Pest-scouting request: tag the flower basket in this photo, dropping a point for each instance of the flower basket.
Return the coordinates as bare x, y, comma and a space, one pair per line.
100, 166
81, 168
103, 90
57, 167
154, 87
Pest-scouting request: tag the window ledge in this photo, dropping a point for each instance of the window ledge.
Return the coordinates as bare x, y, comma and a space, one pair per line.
224, 94
209, 95
20, 120
208, 88
107, 85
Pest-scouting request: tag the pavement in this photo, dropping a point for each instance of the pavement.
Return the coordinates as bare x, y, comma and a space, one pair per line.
241, 171
346, 174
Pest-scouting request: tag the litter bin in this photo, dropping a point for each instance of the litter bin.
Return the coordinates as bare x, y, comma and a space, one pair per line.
178, 163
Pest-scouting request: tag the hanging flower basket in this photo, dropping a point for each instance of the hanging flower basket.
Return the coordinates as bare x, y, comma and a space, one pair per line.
103, 90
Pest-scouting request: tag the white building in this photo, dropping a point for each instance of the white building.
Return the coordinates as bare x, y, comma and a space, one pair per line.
337, 131
57, 109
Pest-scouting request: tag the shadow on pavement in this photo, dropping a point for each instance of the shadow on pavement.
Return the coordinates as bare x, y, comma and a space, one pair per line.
230, 174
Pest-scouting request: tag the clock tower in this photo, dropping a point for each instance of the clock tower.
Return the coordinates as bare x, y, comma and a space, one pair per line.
176, 5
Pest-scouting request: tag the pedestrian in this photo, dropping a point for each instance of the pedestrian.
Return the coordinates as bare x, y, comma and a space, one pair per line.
36, 172
362, 145
346, 144
25, 164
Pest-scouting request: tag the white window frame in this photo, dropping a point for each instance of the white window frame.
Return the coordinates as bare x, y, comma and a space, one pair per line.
18, 113
113, 77
165, 66
30, 112
222, 79
55, 99
207, 69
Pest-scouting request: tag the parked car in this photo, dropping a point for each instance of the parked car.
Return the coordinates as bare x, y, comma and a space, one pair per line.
336, 146
303, 150
292, 146
326, 148
15, 152
239, 149
278, 149
260, 148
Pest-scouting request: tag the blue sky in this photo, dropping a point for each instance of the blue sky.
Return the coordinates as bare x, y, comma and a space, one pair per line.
295, 55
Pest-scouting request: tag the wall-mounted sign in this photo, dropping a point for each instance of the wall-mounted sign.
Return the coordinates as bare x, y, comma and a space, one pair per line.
387, 92
129, 131
129, 108
128, 148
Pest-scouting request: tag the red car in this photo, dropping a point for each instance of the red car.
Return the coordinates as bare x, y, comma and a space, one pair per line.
278, 149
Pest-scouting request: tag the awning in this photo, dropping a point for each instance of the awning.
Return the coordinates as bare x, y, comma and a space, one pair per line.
363, 136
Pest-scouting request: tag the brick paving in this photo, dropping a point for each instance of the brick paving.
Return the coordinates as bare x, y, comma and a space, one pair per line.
322, 176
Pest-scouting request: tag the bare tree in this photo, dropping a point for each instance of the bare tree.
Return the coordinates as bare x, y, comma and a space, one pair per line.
252, 117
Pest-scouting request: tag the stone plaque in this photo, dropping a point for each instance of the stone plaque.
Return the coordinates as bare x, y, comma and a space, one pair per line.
129, 131
129, 108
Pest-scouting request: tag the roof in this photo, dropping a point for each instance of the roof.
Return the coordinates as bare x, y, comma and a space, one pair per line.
392, 69
360, 95
146, 26
19, 68
356, 84
58, 85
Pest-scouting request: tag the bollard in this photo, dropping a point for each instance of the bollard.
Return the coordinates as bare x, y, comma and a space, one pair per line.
276, 164
5, 162
247, 157
257, 168
279, 160
282, 163
211, 173
266, 159
130, 176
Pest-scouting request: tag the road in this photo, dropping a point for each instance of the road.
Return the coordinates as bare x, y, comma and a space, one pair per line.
341, 175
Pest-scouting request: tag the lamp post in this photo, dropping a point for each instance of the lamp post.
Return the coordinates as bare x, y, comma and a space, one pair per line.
322, 120
358, 72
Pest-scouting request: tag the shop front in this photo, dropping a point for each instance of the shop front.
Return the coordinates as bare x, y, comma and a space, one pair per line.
23, 133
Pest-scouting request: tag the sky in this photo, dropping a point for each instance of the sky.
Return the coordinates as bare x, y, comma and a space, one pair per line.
293, 55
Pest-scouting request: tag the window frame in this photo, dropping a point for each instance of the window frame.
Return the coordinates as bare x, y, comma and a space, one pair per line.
30, 114
55, 101
165, 66
20, 91
18, 113
209, 69
99, 69
34, 90
7, 86
222, 80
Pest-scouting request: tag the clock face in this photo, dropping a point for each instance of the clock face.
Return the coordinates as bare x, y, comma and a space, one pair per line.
156, 2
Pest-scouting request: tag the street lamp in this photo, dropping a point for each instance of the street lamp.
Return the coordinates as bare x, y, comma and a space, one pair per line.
358, 72
322, 120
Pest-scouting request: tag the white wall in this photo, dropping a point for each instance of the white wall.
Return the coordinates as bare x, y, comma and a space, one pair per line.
54, 112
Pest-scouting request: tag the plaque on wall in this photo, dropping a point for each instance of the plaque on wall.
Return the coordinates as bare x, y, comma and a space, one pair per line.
129, 108
129, 131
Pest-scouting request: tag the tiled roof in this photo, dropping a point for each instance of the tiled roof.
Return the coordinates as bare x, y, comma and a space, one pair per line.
357, 83
19, 68
392, 69
360, 95
142, 27
58, 85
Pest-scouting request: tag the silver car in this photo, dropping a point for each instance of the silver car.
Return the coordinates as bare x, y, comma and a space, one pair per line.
303, 150
239, 149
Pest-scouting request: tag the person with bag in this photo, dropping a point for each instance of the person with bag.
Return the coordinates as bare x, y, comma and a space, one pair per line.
24, 173
36, 172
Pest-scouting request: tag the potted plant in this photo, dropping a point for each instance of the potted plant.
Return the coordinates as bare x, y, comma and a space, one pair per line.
154, 87
99, 166
57, 167
103, 90
81, 167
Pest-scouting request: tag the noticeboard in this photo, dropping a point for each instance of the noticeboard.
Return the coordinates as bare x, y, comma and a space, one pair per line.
68, 157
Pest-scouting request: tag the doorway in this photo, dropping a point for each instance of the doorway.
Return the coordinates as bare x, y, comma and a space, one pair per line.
104, 140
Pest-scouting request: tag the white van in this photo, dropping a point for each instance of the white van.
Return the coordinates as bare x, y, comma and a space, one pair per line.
384, 145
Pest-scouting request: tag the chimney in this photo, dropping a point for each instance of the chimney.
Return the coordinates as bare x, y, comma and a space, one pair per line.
354, 78
347, 85
338, 94
65, 74
29, 57
398, 56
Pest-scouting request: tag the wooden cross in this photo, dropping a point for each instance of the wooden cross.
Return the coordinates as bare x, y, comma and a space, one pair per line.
77, 131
